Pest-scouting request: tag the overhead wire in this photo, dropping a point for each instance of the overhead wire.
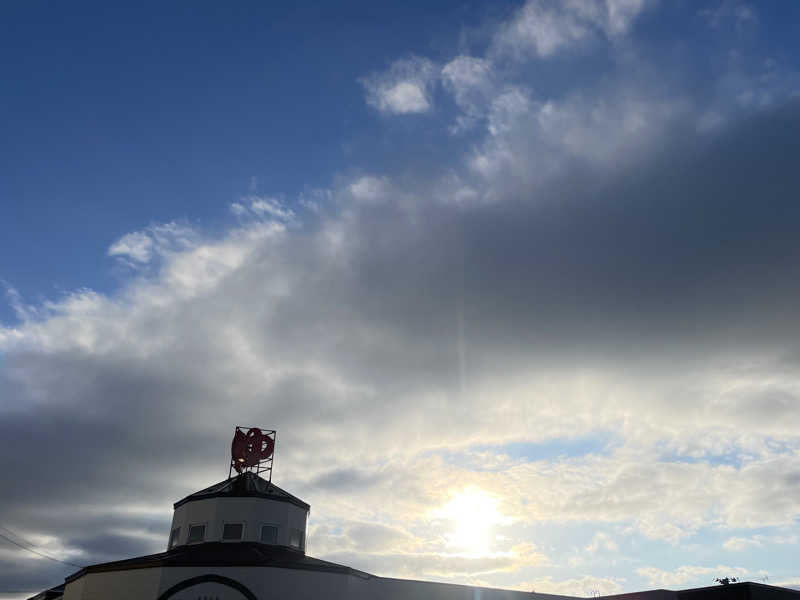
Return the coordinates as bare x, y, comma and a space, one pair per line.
28, 546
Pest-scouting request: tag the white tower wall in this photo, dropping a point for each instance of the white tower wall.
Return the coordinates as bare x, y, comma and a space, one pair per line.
253, 512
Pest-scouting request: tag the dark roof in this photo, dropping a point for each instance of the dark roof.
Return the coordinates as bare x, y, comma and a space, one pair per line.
745, 590
51, 594
244, 485
221, 554
659, 594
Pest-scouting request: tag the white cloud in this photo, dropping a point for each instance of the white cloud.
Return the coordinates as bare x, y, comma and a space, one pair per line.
602, 542
585, 586
438, 565
689, 575
465, 74
736, 12
263, 207
620, 15
507, 110
544, 27
405, 88
137, 246
404, 97
530, 140
471, 82
739, 543
238, 209
369, 189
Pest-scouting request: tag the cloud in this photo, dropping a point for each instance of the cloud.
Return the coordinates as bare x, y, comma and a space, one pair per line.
405, 88
471, 81
529, 139
137, 246
583, 587
690, 574
391, 331
371, 537
757, 541
543, 27
369, 189
263, 207
436, 566
739, 13
466, 74
602, 542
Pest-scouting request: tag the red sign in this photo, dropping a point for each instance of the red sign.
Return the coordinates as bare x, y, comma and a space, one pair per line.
249, 448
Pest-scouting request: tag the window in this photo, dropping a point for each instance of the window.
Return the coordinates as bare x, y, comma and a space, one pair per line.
197, 533
232, 531
173, 537
269, 534
296, 539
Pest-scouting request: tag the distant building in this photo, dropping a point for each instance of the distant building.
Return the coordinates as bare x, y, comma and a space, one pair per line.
244, 539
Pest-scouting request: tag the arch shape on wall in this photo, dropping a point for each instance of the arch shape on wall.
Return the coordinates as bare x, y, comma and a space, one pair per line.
227, 581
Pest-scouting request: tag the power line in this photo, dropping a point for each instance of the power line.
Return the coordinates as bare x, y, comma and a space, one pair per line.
42, 554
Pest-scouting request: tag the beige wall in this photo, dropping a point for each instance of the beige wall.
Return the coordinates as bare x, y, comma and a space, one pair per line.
136, 584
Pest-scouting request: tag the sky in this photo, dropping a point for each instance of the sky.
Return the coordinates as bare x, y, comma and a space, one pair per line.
515, 282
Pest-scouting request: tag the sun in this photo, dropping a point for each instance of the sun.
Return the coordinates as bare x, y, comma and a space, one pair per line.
470, 517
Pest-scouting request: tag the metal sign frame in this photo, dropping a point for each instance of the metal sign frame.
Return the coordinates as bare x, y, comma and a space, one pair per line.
253, 451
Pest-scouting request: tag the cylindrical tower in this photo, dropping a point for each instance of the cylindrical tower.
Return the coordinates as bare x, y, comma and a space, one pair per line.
245, 508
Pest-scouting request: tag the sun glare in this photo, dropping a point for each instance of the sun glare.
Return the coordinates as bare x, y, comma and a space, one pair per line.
470, 517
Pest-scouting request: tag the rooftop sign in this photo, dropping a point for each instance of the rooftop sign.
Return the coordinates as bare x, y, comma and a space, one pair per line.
252, 450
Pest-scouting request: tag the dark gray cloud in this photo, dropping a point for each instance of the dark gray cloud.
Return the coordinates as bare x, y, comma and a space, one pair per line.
344, 480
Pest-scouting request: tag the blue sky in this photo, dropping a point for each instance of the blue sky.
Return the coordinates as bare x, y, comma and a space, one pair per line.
116, 118
531, 260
